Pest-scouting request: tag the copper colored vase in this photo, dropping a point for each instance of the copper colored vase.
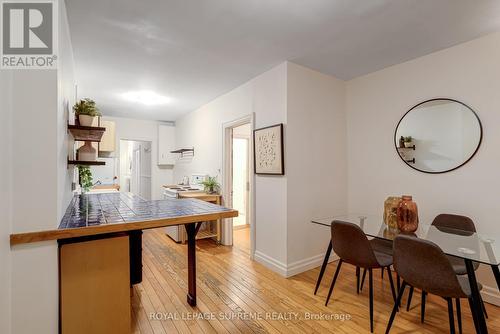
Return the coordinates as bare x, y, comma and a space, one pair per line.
407, 215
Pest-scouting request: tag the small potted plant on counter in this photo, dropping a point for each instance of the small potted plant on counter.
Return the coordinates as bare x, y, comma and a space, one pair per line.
211, 185
408, 141
86, 111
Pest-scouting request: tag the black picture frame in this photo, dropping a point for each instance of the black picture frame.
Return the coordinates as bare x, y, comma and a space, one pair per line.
280, 146
451, 169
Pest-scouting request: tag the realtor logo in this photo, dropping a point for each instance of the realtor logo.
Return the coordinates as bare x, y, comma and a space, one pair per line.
28, 35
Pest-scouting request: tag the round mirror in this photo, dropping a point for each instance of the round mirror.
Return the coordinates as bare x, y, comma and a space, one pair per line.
438, 135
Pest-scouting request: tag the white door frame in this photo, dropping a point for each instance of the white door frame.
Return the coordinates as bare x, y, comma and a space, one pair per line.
151, 169
227, 178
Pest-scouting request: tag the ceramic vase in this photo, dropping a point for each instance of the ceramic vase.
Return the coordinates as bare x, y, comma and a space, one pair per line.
87, 152
407, 215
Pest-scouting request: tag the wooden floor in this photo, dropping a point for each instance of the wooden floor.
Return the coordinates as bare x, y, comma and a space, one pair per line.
237, 295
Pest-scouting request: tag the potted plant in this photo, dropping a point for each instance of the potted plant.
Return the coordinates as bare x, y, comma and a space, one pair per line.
211, 185
86, 111
408, 141
85, 175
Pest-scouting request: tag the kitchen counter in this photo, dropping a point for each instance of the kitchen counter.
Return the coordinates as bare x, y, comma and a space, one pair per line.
93, 214
100, 254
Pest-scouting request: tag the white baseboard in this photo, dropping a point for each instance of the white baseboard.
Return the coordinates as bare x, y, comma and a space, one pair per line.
491, 295
301, 266
271, 263
293, 268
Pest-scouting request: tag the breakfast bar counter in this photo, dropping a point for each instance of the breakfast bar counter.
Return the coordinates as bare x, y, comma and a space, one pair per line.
100, 253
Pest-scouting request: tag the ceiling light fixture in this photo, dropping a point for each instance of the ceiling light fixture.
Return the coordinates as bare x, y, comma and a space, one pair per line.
146, 97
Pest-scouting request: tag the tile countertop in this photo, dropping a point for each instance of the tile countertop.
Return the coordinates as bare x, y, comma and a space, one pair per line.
93, 214
112, 208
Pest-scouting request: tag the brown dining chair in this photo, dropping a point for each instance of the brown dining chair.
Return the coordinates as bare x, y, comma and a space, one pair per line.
455, 224
352, 246
414, 260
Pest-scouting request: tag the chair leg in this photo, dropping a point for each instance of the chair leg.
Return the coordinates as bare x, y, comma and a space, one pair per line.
398, 284
362, 280
483, 306
409, 299
459, 315
382, 273
422, 307
392, 283
450, 316
395, 308
357, 279
333, 281
370, 281
473, 312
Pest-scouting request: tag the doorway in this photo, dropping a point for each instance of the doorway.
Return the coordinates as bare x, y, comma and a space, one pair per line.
238, 184
135, 167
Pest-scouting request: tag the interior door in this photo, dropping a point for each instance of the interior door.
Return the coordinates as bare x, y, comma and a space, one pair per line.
240, 170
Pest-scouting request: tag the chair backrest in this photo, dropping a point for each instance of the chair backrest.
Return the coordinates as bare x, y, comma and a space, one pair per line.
456, 222
350, 243
423, 265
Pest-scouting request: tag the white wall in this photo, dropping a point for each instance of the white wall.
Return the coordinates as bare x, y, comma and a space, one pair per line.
65, 101
265, 96
41, 185
468, 72
311, 104
34, 200
5, 198
317, 166
134, 129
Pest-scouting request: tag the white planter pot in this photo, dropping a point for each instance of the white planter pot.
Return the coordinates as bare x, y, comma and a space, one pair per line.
86, 120
408, 144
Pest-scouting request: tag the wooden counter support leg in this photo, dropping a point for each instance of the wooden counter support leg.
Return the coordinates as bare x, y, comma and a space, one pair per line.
192, 230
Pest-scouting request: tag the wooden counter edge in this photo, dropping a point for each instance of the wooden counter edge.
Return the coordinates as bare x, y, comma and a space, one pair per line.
29, 237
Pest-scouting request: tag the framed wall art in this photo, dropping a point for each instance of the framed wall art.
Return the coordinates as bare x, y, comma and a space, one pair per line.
268, 150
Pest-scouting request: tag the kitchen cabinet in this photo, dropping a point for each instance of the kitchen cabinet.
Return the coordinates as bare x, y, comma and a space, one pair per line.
95, 279
166, 144
107, 143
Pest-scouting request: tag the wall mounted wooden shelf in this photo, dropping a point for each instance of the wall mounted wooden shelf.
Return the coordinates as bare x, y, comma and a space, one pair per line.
86, 163
183, 151
86, 133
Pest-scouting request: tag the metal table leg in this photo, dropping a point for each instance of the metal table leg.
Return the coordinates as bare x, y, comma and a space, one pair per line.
192, 230
323, 266
496, 272
476, 298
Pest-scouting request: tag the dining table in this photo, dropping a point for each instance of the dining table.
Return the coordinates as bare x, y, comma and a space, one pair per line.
466, 245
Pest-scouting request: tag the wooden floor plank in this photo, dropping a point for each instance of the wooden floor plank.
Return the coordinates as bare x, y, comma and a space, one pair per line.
229, 282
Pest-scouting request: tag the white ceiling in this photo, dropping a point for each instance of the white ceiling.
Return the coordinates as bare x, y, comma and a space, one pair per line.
195, 50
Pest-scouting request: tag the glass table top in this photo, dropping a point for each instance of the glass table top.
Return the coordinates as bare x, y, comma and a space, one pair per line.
455, 242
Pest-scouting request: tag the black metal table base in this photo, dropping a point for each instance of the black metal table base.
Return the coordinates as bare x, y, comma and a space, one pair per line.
192, 230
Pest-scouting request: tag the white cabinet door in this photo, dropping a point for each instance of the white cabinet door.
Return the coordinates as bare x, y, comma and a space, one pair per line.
107, 143
166, 143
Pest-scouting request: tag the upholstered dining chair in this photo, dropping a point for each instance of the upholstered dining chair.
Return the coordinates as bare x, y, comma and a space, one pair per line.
414, 260
352, 246
456, 224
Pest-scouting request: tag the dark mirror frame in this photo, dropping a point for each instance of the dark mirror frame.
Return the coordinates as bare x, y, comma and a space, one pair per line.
439, 99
